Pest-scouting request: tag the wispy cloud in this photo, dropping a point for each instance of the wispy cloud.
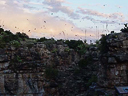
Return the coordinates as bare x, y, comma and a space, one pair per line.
60, 16
56, 6
100, 21
99, 14
15, 18
2, 2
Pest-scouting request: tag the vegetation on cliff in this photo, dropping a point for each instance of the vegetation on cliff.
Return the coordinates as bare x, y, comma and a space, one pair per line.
7, 37
69, 64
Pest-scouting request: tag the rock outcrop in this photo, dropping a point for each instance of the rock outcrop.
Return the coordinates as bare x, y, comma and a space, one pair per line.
114, 63
22, 69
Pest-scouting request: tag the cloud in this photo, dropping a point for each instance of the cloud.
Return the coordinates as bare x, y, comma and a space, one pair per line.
2, 2
101, 21
99, 14
14, 17
18, 17
56, 6
29, 7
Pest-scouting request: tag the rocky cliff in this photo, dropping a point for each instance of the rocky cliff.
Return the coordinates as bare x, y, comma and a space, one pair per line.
114, 63
22, 70
46, 67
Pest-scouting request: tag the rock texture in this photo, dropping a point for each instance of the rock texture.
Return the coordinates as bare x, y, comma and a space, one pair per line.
114, 63
22, 69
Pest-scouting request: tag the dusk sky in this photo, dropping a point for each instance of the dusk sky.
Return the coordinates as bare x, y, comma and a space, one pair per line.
64, 19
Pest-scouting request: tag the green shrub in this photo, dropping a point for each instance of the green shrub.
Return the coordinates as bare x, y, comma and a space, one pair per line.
73, 43
15, 60
19, 59
97, 43
22, 35
1, 30
54, 50
49, 43
7, 36
30, 45
104, 45
51, 73
2, 45
42, 39
125, 29
15, 43
66, 49
84, 62
81, 49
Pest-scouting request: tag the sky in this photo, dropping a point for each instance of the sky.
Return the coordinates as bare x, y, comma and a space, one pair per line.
64, 19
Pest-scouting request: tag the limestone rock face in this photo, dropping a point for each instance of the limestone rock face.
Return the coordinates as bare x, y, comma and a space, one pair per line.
22, 69
114, 64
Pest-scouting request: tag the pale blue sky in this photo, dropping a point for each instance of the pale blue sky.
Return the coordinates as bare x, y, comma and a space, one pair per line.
70, 16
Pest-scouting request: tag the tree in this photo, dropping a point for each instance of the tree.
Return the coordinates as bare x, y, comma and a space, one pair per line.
42, 39
73, 43
103, 46
22, 35
125, 29
1, 30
